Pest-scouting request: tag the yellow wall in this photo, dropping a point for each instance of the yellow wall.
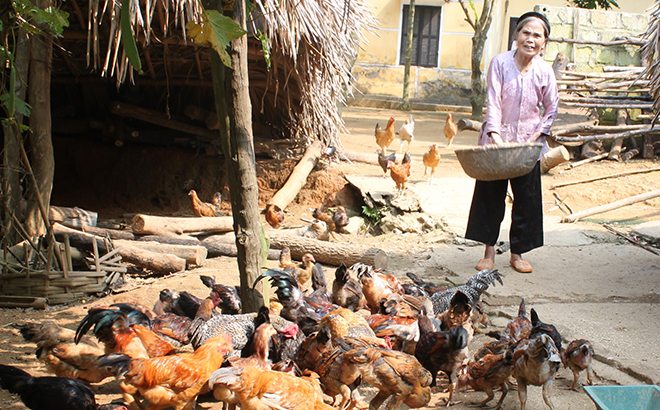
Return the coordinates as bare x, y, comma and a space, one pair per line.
377, 69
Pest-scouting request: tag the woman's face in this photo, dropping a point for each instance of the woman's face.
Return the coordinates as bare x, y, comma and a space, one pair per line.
531, 38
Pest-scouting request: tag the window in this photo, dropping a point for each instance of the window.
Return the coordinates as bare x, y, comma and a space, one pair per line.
513, 21
426, 36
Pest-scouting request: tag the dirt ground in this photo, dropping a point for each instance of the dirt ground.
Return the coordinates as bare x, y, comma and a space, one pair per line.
435, 255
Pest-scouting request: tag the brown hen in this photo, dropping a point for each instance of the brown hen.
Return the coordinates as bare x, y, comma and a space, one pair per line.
385, 137
170, 381
199, 207
577, 357
450, 130
274, 215
431, 160
487, 373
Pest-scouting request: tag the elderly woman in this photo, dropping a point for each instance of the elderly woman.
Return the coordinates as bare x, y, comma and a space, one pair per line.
519, 83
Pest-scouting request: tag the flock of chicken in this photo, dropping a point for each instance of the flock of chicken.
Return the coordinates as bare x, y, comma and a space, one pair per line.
311, 349
400, 173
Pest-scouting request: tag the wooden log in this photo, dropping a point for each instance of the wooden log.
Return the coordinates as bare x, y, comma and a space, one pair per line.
615, 150
298, 177
109, 233
193, 254
596, 129
554, 157
468, 124
361, 157
624, 40
72, 217
631, 105
330, 253
157, 262
611, 206
174, 227
218, 247
621, 174
23, 302
601, 137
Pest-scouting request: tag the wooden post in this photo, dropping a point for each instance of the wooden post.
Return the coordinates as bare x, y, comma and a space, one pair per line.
615, 151
232, 99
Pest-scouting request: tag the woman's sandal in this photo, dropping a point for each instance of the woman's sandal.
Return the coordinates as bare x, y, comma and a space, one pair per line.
521, 266
485, 264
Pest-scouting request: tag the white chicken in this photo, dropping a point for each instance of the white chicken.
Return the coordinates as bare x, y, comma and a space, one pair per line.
406, 133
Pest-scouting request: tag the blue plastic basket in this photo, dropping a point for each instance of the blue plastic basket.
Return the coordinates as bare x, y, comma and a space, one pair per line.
625, 397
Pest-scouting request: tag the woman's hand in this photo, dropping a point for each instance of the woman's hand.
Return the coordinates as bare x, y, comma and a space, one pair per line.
534, 137
497, 139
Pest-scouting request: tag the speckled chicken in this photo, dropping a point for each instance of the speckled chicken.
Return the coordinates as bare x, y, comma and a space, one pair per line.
578, 356
473, 288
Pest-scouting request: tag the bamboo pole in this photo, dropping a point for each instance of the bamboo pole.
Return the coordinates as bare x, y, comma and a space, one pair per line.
611, 206
588, 160
621, 174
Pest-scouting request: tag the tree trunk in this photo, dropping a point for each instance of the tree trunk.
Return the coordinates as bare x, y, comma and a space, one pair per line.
11, 158
235, 119
477, 98
405, 100
41, 144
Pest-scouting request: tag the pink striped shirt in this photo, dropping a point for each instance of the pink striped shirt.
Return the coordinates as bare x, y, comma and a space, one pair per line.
515, 100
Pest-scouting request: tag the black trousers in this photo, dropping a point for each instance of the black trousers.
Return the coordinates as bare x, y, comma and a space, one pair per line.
487, 212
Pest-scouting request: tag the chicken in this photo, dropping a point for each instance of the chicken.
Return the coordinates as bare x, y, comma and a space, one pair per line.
441, 351
258, 389
487, 373
450, 129
337, 376
393, 373
376, 285
239, 327
199, 207
50, 393
384, 159
297, 308
400, 174
406, 133
385, 137
578, 356
340, 218
429, 287
474, 286
345, 324
229, 296
318, 278
259, 343
274, 215
519, 327
500, 345
322, 216
536, 362
431, 160
57, 349
170, 381
539, 327
170, 327
116, 330
216, 201
346, 291
458, 314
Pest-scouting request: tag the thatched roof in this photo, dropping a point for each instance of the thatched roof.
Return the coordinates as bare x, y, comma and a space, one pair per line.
651, 53
313, 44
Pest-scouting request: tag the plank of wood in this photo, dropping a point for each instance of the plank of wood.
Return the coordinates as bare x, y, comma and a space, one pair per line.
611, 206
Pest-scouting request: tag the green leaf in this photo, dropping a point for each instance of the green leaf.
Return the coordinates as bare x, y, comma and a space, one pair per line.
224, 30
265, 47
127, 39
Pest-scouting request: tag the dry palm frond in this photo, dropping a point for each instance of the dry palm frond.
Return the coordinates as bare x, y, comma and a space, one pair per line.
651, 52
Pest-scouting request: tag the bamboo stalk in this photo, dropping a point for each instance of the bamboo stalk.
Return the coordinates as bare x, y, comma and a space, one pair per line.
600, 137
625, 40
611, 206
588, 160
